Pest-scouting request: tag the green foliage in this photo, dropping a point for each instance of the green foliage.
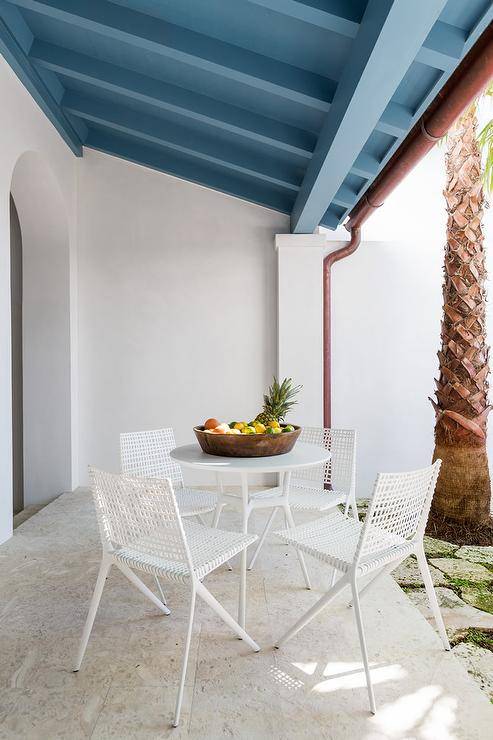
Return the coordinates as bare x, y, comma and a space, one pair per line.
481, 637
485, 141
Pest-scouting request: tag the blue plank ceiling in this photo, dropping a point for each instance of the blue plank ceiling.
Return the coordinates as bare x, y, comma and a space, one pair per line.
293, 104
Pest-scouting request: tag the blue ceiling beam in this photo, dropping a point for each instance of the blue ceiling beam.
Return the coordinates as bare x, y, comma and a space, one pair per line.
188, 47
332, 216
365, 165
390, 30
150, 91
441, 49
396, 120
15, 40
345, 196
189, 169
194, 143
338, 16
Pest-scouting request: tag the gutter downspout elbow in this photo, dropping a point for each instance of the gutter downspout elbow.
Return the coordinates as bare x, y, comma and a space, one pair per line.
329, 260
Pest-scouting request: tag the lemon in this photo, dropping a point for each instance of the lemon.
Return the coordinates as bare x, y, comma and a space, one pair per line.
259, 428
274, 424
277, 430
248, 430
239, 425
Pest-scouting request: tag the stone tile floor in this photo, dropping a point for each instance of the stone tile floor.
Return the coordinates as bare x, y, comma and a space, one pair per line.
314, 687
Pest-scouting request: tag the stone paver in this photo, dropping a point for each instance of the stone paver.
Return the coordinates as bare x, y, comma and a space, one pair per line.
439, 548
463, 569
483, 555
456, 614
407, 574
482, 598
478, 662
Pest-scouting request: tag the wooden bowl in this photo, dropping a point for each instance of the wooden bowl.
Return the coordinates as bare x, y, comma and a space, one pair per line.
247, 445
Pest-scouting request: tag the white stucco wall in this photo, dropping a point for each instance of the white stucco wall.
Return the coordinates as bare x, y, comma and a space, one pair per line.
25, 129
387, 303
177, 291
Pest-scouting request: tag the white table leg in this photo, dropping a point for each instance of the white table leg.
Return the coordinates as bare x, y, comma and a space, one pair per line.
245, 507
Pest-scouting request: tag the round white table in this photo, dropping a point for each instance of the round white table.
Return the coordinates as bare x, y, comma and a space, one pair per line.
302, 456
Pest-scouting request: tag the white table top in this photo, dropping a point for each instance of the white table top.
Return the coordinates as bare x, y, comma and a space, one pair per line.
301, 456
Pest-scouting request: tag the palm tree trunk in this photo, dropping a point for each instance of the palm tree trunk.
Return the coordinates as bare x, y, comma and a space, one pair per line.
463, 491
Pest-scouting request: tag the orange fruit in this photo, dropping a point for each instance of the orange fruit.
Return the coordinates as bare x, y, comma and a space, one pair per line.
211, 424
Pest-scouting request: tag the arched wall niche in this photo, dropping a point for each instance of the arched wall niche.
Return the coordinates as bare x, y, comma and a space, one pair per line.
45, 327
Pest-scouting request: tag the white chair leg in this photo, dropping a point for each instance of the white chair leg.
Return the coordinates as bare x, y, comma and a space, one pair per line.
217, 514
160, 589
432, 597
362, 642
333, 577
243, 566
225, 616
351, 504
186, 653
219, 507
96, 598
142, 587
263, 536
385, 571
301, 557
314, 611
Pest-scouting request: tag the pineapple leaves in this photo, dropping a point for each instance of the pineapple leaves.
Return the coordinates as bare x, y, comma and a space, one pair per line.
280, 398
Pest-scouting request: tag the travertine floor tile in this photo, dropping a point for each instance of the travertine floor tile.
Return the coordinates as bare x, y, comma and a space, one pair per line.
313, 687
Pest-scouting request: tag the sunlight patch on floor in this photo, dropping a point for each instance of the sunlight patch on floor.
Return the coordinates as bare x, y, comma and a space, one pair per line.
342, 677
425, 714
307, 668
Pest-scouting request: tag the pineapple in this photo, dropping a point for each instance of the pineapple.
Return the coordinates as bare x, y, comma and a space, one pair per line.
278, 401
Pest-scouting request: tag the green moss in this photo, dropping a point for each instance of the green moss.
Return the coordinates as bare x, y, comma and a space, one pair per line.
459, 583
476, 636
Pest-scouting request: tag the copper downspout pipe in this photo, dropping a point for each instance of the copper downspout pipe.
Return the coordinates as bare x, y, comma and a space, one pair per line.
464, 86
339, 254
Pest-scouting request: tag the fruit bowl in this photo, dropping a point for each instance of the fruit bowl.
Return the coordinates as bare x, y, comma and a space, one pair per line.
246, 445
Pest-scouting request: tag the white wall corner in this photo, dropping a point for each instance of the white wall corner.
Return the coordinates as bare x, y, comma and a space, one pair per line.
300, 240
300, 319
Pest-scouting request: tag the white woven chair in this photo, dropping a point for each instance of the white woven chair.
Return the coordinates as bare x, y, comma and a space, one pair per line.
393, 529
146, 454
141, 528
325, 487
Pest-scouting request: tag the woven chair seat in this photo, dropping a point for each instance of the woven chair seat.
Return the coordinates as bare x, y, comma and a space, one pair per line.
191, 501
333, 539
302, 498
306, 498
209, 548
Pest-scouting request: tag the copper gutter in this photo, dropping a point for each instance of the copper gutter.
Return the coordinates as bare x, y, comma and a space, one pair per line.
467, 82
